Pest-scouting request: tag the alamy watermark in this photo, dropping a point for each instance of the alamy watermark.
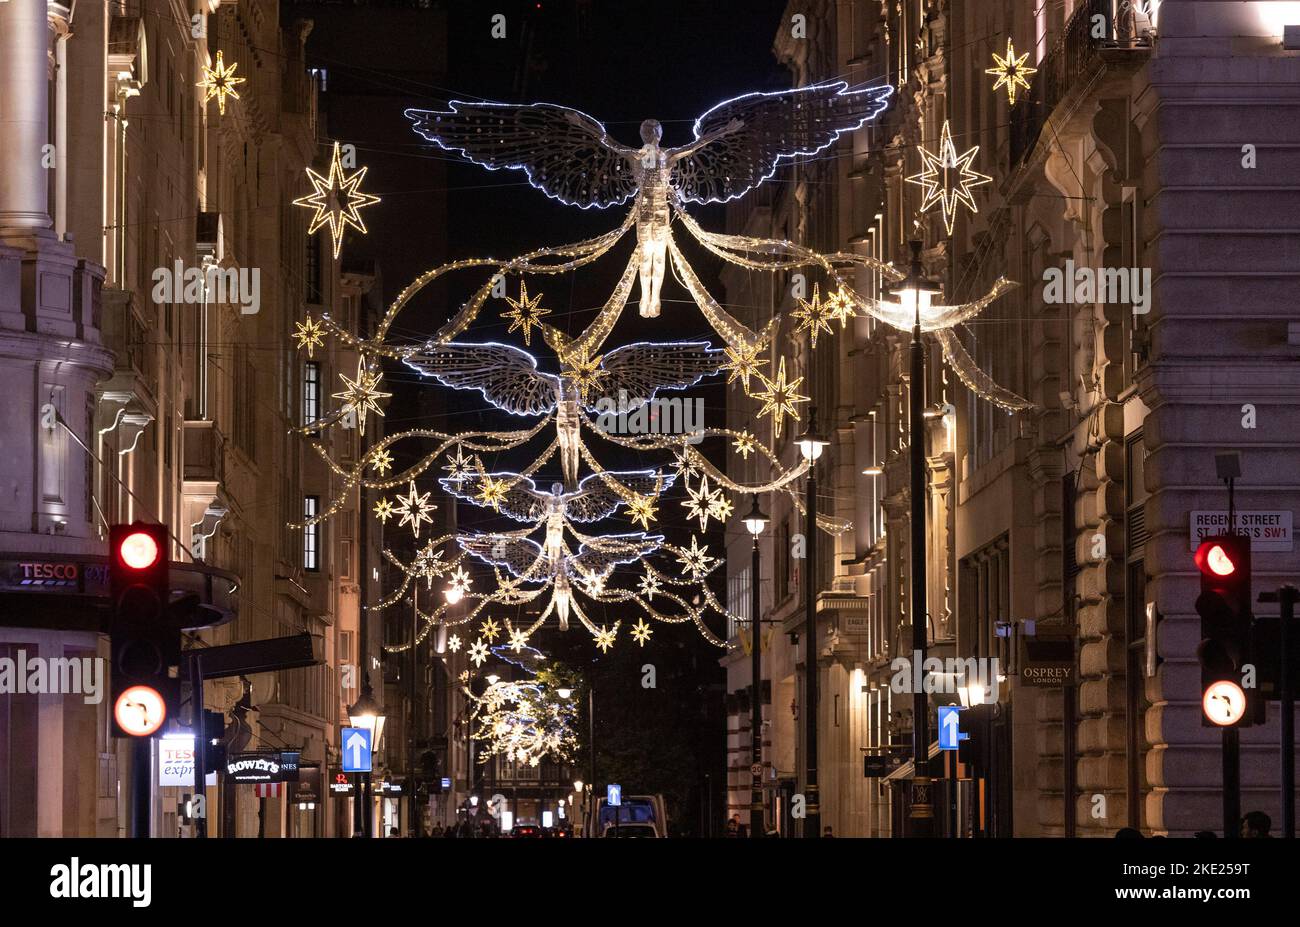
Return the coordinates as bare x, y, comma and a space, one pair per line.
676, 416
947, 676
84, 676
1085, 285
209, 284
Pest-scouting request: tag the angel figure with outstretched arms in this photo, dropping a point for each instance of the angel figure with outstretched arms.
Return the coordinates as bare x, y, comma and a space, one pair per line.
570, 157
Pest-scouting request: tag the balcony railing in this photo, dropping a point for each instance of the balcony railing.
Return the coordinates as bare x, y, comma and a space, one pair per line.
1075, 53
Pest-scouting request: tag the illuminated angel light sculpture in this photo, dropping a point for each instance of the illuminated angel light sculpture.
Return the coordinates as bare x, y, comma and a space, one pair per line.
509, 379
526, 720
591, 565
570, 157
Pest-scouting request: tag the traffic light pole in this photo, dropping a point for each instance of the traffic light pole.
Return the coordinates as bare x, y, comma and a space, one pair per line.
1231, 782
140, 792
200, 745
1286, 599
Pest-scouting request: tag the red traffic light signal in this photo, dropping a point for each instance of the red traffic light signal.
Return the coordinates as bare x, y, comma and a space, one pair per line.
146, 645
1215, 559
138, 550
1224, 606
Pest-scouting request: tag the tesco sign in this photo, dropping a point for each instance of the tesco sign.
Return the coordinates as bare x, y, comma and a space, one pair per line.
176, 761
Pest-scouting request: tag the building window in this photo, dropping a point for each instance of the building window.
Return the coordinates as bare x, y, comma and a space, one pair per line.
1135, 627
311, 535
310, 392
781, 573
313, 270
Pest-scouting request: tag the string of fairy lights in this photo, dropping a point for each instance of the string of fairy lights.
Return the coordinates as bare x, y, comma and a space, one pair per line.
553, 561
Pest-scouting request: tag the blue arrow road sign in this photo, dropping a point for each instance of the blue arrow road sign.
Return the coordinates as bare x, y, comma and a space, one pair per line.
356, 749
950, 733
613, 795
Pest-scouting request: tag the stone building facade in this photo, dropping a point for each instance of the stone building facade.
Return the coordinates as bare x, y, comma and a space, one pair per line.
1154, 138
168, 409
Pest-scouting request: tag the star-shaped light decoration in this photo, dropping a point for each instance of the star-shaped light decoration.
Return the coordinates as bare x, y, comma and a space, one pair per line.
696, 560
585, 371
518, 639
337, 200
605, 637
362, 395
780, 398
947, 178
491, 491
428, 563
594, 584
478, 652
744, 444
490, 629
641, 510
309, 334
720, 507
839, 305
701, 502
414, 508
744, 363
460, 467
453, 643
650, 584
384, 510
1011, 71
684, 463
381, 461
813, 316
219, 81
525, 313
641, 632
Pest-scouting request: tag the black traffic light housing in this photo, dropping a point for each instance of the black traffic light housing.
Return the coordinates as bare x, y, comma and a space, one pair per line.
146, 643
1225, 609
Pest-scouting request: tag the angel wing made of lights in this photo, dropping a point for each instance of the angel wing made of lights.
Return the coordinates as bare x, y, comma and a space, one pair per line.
506, 376
593, 500
633, 373
570, 156
524, 557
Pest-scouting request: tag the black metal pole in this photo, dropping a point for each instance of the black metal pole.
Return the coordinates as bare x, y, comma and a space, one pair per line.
140, 793
922, 810
755, 705
413, 791
812, 808
1286, 597
200, 744
591, 734
1231, 783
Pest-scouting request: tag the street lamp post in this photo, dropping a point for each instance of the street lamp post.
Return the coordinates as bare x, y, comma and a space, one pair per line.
755, 522
365, 713
811, 445
914, 293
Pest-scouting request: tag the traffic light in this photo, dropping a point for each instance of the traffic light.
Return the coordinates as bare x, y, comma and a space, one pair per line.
1224, 606
145, 643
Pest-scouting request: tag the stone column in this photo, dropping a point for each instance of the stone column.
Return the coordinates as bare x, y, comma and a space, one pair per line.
24, 70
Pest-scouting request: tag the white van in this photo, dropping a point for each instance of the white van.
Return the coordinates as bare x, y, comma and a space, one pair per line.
637, 816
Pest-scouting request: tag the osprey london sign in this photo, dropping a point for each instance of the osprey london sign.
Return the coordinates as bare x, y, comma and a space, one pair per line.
254, 767
1268, 531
